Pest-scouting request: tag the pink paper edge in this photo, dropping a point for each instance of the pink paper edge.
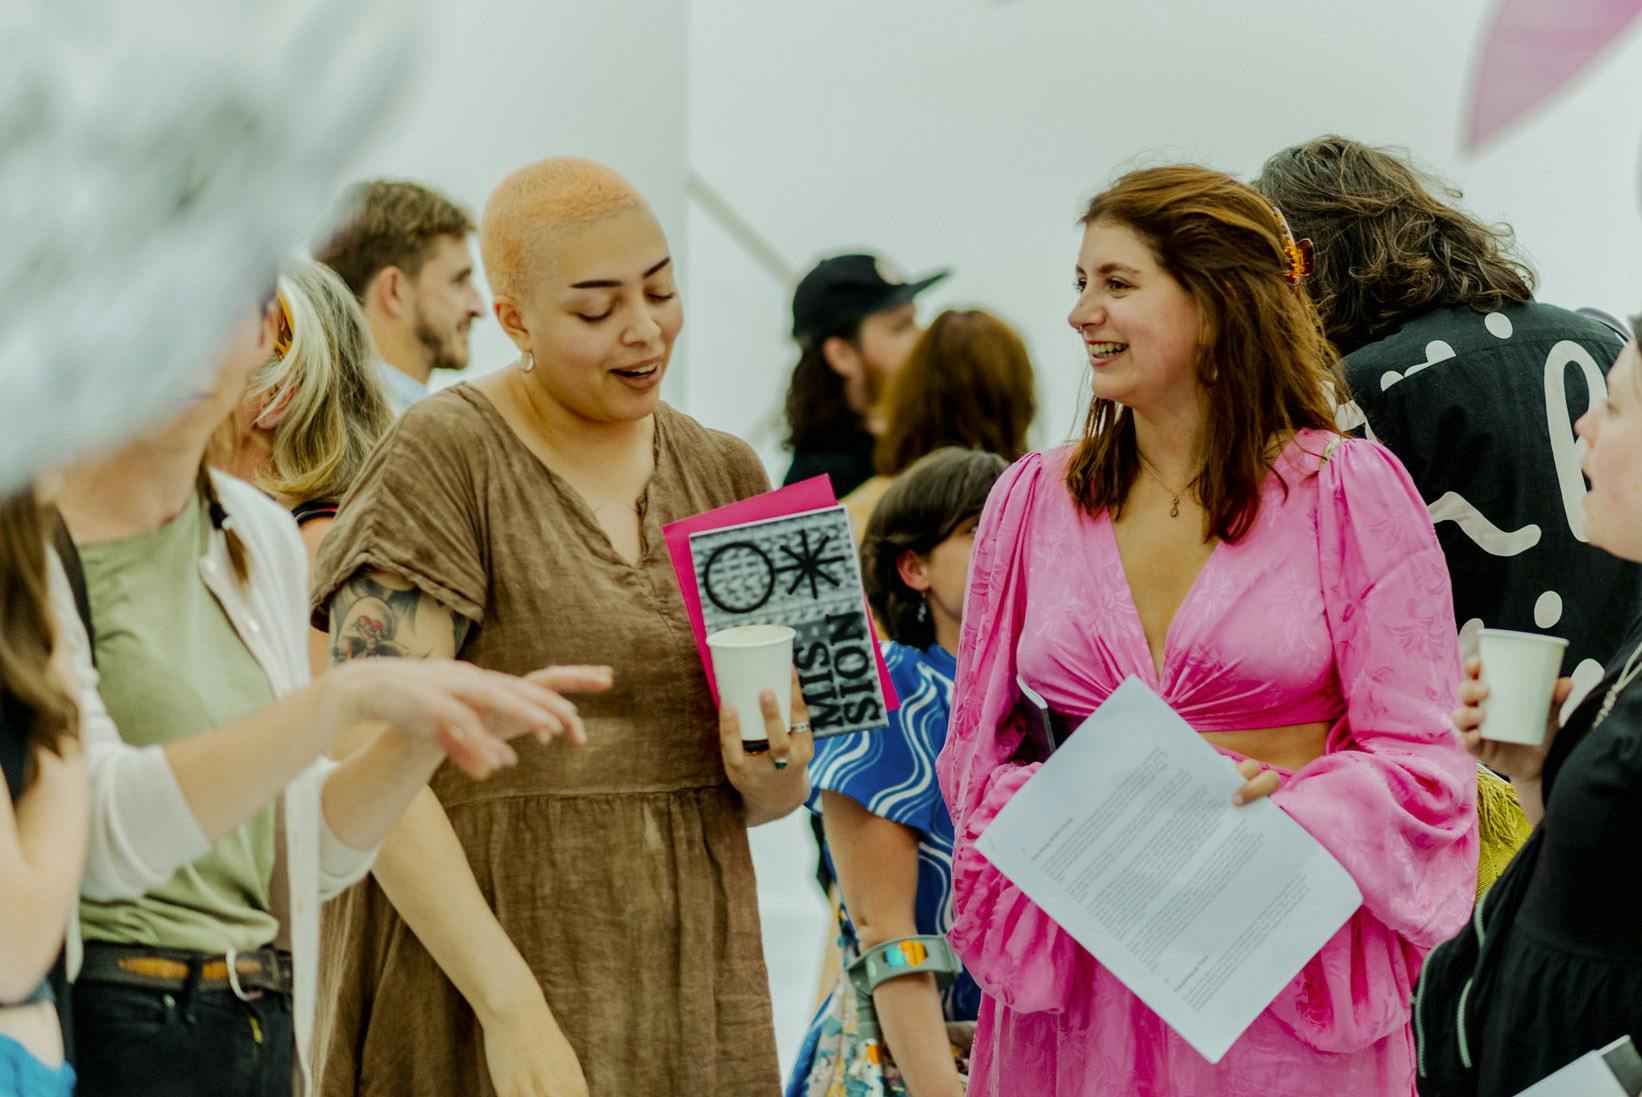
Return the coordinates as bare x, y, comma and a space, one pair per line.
1506, 38
812, 494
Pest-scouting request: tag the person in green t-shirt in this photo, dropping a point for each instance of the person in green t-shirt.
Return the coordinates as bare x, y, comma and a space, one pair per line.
200, 948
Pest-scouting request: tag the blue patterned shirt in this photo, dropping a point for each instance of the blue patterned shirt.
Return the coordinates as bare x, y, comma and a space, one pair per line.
892, 774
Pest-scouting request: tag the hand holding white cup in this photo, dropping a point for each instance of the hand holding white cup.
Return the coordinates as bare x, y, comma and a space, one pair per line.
747, 660
1520, 670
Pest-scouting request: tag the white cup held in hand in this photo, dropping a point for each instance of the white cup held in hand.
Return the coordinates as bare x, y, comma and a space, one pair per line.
1520, 670
747, 660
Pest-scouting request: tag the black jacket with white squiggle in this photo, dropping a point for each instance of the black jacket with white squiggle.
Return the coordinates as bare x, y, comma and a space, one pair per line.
1480, 408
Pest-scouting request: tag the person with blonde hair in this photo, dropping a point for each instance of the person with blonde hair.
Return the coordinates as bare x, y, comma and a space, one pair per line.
311, 413
200, 900
589, 924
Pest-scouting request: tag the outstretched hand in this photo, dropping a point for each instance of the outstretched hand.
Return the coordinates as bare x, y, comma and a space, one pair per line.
471, 712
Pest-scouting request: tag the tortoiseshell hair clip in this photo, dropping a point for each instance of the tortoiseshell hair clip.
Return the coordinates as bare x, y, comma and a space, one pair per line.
1299, 259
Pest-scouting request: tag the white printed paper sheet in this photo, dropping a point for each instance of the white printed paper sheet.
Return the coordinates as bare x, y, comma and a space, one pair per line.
1127, 837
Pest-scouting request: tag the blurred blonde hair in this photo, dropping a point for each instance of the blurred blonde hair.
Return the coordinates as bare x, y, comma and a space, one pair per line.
326, 382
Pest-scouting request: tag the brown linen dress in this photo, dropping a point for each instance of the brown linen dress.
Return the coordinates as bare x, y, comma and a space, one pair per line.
620, 869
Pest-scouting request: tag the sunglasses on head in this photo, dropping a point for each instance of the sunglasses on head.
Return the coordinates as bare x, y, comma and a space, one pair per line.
284, 333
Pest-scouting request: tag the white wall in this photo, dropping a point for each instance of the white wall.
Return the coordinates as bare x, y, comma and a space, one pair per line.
506, 82
966, 132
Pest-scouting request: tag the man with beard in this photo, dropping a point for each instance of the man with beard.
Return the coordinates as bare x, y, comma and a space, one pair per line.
403, 250
854, 321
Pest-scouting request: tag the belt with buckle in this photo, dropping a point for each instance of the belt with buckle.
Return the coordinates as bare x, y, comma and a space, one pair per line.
263, 969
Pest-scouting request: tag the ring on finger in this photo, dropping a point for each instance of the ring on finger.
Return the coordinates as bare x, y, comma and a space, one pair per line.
801, 727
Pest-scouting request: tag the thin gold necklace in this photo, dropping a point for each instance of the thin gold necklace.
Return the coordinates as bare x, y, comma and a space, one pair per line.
1174, 507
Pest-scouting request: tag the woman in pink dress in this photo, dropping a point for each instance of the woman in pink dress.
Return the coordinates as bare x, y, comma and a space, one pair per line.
1280, 587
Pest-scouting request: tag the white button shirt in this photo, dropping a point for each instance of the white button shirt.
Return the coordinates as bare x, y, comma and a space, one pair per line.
142, 830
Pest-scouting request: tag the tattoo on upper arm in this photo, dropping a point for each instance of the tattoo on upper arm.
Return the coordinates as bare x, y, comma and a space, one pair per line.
376, 614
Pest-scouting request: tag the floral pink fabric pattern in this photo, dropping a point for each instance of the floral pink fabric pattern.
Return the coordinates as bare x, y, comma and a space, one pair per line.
1334, 607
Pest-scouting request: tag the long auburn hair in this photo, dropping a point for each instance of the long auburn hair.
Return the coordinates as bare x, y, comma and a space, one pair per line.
1390, 242
1263, 360
966, 382
32, 692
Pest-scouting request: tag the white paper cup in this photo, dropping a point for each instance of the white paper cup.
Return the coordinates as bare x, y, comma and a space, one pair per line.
747, 660
1520, 670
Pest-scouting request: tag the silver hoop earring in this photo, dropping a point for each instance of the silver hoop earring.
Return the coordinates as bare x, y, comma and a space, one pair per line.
527, 362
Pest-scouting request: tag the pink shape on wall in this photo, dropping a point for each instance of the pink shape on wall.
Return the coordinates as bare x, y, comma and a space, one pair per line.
1534, 47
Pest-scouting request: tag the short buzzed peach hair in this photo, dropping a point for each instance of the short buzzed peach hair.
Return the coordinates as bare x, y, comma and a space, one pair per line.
535, 205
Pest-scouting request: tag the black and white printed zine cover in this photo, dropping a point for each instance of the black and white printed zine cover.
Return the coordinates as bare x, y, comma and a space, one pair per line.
801, 571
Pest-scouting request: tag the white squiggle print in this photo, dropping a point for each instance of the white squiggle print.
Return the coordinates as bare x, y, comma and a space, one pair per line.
1349, 416
1435, 351
1566, 448
932, 694
1587, 674
1548, 609
1453, 507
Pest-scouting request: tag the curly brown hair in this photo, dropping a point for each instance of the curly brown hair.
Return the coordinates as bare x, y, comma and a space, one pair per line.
33, 695
938, 494
1390, 244
385, 223
1264, 361
966, 382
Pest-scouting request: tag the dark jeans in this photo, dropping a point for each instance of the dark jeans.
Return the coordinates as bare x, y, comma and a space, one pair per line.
131, 1042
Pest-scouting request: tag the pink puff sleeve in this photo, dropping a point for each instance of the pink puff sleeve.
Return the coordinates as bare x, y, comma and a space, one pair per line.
1394, 799
1017, 954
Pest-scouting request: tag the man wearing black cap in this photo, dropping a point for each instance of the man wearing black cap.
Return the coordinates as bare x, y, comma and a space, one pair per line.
855, 322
